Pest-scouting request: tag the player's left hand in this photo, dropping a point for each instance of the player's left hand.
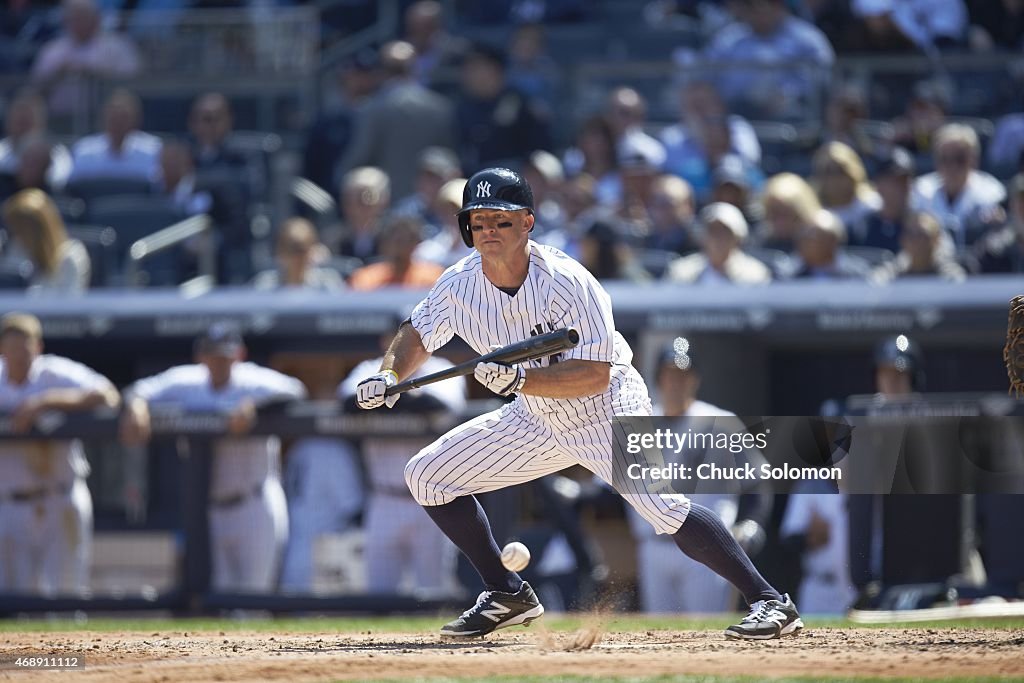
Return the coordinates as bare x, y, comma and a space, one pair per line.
502, 379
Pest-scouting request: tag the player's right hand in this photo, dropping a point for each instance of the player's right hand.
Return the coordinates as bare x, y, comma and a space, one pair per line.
370, 392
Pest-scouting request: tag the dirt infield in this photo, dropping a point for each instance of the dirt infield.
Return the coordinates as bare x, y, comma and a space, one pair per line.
240, 656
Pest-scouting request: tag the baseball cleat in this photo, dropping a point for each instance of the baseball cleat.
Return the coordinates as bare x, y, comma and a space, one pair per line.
494, 610
768, 619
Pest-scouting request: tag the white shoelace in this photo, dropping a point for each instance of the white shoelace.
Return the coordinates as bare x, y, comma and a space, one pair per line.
486, 595
758, 612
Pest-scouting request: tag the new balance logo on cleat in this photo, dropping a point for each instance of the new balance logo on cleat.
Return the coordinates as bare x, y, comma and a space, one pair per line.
495, 612
488, 614
768, 619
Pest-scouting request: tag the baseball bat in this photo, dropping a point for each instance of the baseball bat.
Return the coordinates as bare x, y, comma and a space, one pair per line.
529, 349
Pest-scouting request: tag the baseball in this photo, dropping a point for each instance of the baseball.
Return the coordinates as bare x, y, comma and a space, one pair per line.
515, 556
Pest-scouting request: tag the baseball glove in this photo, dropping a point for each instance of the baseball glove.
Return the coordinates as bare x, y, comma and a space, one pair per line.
1013, 352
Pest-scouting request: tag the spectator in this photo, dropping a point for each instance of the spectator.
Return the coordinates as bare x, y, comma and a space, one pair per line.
210, 124
35, 163
1006, 148
929, 25
497, 124
46, 525
581, 210
437, 165
446, 247
820, 255
626, 113
1000, 24
769, 35
594, 154
706, 132
398, 122
121, 150
964, 199
60, 265
721, 259
248, 514
329, 137
893, 179
607, 255
1002, 250
924, 116
531, 69
732, 183
399, 238
26, 119
842, 186
177, 180
671, 210
365, 200
789, 205
436, 49
298, 253
641, 158
543, 171
83, 51
845, 113
921, 252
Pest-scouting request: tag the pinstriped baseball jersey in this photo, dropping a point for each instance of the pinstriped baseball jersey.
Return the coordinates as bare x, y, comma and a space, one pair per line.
558, 292
534, 436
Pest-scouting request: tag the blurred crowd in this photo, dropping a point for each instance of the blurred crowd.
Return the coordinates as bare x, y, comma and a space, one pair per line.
696, 200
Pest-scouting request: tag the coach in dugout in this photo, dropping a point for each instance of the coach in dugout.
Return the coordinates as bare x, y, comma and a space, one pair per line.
248, 514
45, 507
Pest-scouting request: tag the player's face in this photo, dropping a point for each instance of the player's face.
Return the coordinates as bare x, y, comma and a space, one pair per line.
891, 382
19, 351
219, 365
497, 232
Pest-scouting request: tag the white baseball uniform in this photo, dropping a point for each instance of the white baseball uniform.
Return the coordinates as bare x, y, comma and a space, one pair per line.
45, 507
400, 537
826, 587
248, 512
533, 436
324, 486
668, 582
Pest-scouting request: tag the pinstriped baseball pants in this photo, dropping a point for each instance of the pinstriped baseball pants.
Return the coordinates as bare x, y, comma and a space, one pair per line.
511, 446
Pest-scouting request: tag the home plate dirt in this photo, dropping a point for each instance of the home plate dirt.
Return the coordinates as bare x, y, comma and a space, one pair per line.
210, 656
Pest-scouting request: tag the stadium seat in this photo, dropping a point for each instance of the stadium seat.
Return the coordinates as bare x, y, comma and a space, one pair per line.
875, 256
101, 242
88, 189
132, 217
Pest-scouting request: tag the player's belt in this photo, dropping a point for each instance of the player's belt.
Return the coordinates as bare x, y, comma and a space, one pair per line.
236, 498
25, 495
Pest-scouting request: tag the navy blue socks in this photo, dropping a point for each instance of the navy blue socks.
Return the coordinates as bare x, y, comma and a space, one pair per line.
463, 521
704, 537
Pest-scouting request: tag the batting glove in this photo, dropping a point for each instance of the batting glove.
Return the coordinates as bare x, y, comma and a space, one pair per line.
502, 379
370, 392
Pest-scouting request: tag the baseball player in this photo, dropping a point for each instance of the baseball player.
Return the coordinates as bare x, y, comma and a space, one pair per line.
509, 289
248, 514
667, 582
400, 537
45, 507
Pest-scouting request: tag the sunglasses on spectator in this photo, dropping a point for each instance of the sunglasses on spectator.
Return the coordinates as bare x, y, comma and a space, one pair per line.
953, 159
295, 248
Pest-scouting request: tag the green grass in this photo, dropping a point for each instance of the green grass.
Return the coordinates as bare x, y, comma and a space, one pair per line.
682, 679
428, 624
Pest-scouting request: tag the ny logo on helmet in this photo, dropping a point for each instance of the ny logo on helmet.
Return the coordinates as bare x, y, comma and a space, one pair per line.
483, 189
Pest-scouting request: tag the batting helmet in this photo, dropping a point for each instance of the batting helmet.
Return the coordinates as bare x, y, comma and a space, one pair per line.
902, 353
493, 188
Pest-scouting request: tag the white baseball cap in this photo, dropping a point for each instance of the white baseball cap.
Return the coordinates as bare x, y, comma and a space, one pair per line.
728, 215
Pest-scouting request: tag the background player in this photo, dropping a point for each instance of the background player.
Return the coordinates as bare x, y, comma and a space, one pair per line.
400, 538
667, 582
248, 514
510, 289
45, 507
